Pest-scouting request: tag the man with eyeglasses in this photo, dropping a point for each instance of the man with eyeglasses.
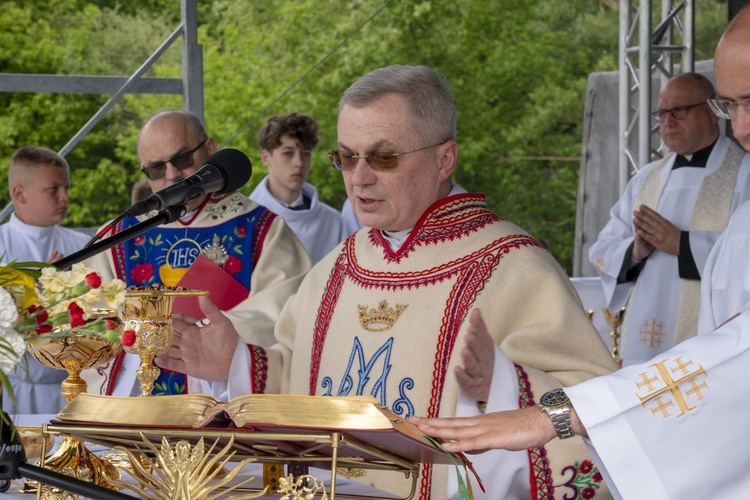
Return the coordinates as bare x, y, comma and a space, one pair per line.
651, 252
224, 241
675, 426
392, 312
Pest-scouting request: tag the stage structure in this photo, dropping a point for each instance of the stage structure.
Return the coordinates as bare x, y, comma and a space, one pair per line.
190, 86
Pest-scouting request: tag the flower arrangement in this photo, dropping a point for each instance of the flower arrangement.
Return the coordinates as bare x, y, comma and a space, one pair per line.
37, 300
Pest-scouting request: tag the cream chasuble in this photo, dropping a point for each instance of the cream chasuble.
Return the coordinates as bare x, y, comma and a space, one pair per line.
370, 321
662, 308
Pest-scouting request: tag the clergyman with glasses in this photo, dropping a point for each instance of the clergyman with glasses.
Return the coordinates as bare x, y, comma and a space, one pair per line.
652, 251
392, 312
242, 247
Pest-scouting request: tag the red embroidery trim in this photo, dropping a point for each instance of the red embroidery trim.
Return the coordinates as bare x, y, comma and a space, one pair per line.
265, 219
258, 368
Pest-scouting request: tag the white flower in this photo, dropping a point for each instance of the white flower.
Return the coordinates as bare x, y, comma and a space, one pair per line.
8, 311
12, 347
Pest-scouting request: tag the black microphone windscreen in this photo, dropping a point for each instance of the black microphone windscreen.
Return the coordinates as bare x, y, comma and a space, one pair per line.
235, 165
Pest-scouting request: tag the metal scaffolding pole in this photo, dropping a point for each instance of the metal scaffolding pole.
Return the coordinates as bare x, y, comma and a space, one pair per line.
648, 53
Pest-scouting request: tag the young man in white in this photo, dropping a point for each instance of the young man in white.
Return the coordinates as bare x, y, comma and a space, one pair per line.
286, 143
38, 182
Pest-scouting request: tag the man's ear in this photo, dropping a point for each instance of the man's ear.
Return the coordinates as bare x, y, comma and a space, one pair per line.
18, 194
449, 155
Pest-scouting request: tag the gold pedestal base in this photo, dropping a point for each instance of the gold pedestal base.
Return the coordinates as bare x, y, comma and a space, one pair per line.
75, 460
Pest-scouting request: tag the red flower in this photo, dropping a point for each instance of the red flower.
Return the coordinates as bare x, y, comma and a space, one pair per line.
139, 240
586, 466
597, 477
142, 272
112, 324
43, 329
242, 231
93, 280
588, 492
41, 316
76, 315
233, 265
128, 338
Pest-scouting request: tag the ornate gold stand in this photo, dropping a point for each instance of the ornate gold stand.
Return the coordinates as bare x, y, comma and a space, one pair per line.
74, 354
148, 312
614, 320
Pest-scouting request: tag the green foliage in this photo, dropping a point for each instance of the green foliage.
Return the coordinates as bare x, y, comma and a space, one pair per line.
518, 69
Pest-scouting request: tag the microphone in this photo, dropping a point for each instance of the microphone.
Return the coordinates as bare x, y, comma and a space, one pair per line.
225, 171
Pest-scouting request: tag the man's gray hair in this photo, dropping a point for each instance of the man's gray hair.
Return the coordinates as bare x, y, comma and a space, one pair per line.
428, 95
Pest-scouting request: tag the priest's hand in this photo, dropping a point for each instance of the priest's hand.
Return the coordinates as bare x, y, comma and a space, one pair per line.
513, 430
655, 231
55, 257
204, 351
478, 355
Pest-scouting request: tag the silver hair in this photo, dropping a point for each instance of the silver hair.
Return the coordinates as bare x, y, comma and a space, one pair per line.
428, 95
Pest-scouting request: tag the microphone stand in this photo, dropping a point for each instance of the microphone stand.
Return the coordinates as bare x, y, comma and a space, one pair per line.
165, 216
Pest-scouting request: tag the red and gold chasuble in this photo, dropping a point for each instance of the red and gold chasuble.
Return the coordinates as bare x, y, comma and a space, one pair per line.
368, 321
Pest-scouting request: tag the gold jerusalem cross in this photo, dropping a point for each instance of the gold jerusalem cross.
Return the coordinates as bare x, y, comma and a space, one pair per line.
669, 394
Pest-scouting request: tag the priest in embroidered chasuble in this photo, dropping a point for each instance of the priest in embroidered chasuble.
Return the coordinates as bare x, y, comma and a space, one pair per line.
693, 193
389, 312
242, 244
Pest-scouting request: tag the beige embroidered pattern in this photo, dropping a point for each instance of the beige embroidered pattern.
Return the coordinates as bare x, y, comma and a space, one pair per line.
671, 386
653, 333
381, 318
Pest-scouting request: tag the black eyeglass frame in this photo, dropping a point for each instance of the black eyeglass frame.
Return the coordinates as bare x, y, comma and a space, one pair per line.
660, 115
178, 161
378, 164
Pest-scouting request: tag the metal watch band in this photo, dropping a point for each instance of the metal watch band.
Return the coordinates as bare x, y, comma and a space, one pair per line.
561, 421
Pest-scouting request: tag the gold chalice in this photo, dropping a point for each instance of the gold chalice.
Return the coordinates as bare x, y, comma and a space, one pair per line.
148, 312
75, 353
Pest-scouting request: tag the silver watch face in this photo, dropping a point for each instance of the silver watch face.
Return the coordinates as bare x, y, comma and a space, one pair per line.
555, 397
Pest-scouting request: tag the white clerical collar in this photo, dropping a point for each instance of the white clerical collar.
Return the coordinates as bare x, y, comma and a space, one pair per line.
37, 231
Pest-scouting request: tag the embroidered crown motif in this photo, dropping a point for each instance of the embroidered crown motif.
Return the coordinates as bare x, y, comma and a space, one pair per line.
216, 251
381, 318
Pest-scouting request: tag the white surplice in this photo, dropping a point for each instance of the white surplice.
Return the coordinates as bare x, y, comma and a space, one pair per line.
319, 227
725, 288
37, 388
675, 427
651, 317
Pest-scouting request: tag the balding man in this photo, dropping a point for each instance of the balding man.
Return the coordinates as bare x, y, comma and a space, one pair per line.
672, 427
242, 246
651, 252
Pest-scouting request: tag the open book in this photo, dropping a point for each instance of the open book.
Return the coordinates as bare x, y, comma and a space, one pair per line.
253, 416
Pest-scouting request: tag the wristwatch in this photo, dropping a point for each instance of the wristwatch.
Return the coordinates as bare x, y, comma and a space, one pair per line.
556, 404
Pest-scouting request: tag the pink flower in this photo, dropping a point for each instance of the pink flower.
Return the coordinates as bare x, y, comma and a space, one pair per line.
233, 265
128, 338
93, 280
139, 240
142, 272
76, 315
111, 324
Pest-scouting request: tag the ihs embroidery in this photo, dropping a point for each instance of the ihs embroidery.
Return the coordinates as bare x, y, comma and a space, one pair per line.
381, 318
669, 390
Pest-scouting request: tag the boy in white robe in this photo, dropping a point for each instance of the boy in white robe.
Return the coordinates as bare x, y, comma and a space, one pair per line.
38, 182
286, 142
